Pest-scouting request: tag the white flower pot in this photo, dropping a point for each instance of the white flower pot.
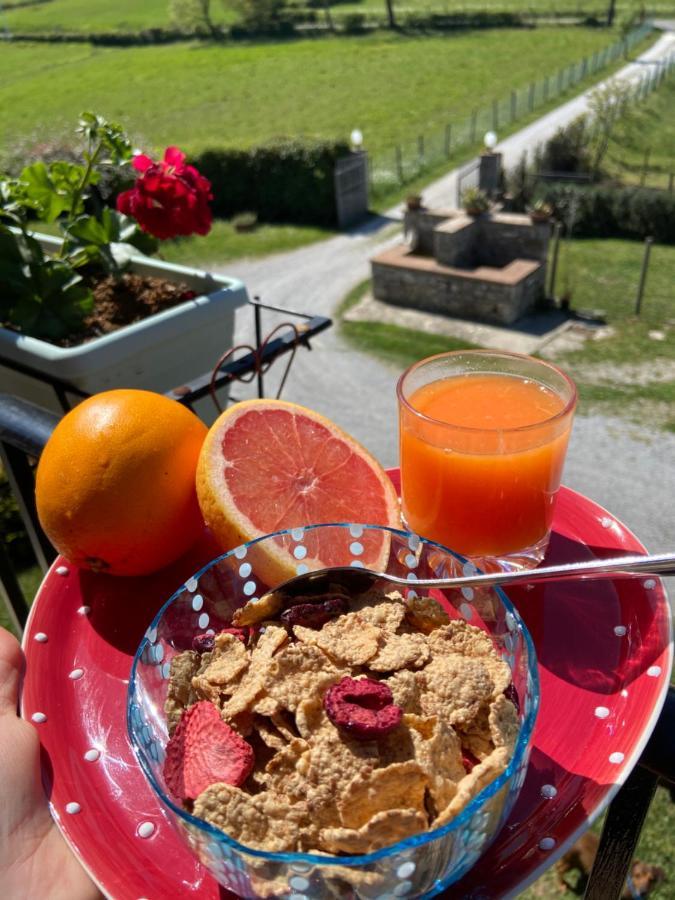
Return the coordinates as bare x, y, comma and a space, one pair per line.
159, 353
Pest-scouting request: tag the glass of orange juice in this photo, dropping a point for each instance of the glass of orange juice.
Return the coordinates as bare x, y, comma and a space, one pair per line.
483, 437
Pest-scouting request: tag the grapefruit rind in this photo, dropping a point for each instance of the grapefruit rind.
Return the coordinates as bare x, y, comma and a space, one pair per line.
273, 561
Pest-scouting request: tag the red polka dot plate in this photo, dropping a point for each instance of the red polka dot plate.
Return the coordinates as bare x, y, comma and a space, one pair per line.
604, 650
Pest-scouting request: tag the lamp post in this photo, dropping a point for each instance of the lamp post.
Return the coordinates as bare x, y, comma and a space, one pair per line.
489, 172
356, 140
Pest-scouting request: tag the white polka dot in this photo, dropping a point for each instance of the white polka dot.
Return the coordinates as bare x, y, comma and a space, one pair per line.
203, 620
606, 522
145, 829
356, 548
510, 621
158, 654
165, 669
616, 758
84, 611
298, 883
151, 635
402, 889
601, 712
466, 610
654, 671
650, 584
297, 534
92, 755
620, 630
411, 576
548, 791
405, 869
191, 585
356, 530
414, 542
547, 843
300, 552
410, 594
357, 564
303, 867
62, 570
467, 593
301, 569
41, 637
298, 897
240, 552
249, 588
469, 569
411, 561
73, 808
76, 674
245, 570
39, 717
197, 602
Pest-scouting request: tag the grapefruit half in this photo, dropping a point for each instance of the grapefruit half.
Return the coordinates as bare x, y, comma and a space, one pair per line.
268, 465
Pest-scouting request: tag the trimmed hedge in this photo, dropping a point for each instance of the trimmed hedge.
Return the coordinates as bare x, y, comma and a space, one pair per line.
607, 211
282, 181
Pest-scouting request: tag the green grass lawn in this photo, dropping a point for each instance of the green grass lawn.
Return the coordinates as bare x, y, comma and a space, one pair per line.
391, 86
649, 126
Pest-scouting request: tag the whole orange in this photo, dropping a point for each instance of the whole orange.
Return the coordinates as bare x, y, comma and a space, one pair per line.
115, 485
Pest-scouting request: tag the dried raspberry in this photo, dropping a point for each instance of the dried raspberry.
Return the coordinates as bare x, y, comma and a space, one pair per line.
364, 708
204, 750
314, 615
468, 759
203, 643
512, 694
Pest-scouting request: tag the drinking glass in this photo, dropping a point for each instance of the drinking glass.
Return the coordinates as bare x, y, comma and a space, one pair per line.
483, 438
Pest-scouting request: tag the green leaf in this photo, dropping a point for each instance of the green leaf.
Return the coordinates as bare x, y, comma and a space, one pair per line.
50, 191
107, 140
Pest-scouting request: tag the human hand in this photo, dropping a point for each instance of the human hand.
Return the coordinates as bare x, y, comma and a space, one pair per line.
35, 860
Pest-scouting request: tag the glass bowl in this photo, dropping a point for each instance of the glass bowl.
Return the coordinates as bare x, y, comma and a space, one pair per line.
419, 866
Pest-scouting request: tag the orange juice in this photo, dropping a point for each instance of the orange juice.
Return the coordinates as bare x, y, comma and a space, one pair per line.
481, 460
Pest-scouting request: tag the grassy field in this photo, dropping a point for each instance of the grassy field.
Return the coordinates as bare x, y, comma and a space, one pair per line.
388, 85
649, 126
130, 15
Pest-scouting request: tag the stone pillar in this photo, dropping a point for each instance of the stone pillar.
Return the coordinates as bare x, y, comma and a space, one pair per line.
490, 173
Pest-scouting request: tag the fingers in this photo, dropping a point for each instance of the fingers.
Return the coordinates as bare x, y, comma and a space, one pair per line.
11, 664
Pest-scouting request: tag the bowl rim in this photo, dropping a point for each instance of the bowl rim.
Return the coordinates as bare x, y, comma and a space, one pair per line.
409, 843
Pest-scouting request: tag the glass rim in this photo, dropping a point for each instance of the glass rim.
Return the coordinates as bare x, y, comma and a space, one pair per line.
569, 407
520, 749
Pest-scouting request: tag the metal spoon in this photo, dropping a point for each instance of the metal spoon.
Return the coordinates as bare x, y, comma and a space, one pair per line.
356, 580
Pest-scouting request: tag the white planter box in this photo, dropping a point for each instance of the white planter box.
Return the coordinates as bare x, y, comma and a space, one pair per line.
161, 352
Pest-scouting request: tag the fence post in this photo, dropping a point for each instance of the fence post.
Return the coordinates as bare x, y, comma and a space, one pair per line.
645, 163
448, 138
495, 115
531, 96
545, 89
474, 116
514, 105
643, 274
399, 163
557, 228
560, 80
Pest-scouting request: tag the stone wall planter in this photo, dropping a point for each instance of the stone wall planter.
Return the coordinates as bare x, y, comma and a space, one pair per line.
159, 353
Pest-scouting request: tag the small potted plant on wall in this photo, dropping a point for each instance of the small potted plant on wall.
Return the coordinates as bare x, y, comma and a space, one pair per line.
475, 201
86, 307
540, 212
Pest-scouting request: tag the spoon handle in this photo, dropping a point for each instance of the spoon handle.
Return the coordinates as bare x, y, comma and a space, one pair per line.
656, 564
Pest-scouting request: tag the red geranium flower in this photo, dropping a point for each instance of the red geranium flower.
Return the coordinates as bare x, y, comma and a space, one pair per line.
169, 198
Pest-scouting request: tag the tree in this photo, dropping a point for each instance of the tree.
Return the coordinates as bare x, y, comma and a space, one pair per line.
390, 13
609, 108
193, 15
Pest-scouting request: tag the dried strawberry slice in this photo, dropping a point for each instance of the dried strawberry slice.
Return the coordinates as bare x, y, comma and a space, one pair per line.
363, 707
314, 615
468, 759
204, 750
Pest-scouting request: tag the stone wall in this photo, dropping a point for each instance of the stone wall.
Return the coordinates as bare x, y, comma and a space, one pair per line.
487, 295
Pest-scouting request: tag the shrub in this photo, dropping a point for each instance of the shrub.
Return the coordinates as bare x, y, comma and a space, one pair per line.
605, 211
354, 23
567, 151
284, 181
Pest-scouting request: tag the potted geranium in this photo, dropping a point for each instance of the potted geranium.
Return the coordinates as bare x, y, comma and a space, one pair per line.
475, 201
86, 307
540, 212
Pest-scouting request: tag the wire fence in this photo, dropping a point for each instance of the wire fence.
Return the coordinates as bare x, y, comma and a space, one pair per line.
400, 165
